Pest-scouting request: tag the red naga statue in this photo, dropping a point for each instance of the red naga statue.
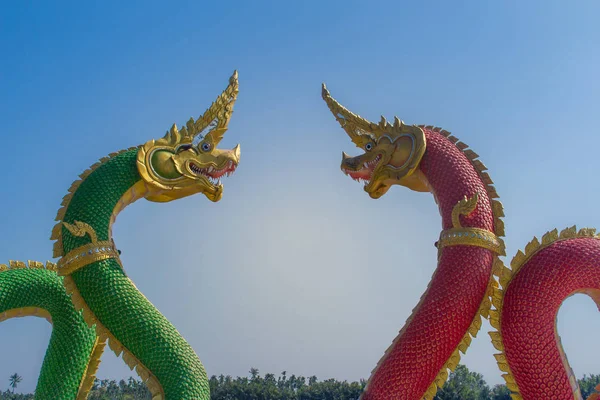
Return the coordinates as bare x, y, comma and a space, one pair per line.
470, 281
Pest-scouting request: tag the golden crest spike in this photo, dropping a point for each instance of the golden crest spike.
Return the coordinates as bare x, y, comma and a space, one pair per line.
173, 135
383, 122
397, 122
183, 131
190, 126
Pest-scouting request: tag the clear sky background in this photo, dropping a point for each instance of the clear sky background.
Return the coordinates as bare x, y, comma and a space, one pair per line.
296, 269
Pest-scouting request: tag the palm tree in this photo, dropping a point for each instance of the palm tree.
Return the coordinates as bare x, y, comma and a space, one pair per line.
14, 380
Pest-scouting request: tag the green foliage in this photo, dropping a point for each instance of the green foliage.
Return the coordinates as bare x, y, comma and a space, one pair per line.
14, 380
587, 384
8, 395
109, 390
282, 388
500, 392
462, 385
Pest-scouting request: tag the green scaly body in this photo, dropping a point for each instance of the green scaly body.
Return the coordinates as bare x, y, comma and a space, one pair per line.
113, 299
73, 355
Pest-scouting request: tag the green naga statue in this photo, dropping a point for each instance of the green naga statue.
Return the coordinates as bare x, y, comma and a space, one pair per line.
89, 275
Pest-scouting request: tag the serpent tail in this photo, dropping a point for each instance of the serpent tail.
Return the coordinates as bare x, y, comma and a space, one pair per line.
526, 307
73, 354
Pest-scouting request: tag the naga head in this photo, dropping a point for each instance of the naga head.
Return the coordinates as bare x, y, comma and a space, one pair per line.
392, 153
186, 161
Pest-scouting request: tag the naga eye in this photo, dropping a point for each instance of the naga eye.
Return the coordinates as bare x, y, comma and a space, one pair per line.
205, 146
368, 146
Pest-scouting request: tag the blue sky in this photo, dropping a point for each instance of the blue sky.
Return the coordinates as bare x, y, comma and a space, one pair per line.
296, 268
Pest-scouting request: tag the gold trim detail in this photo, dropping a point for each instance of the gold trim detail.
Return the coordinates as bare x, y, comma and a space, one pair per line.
81, 229
115, 345
464, 207
85, 255
136, 192
90, 370
505, 276
471, 237
26, 312
12, 264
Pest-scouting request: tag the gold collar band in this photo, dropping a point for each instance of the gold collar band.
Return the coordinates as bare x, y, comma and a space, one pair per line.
87, 254
471, 237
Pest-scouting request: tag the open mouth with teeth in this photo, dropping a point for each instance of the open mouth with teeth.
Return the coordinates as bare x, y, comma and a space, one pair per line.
212, 174
365, 173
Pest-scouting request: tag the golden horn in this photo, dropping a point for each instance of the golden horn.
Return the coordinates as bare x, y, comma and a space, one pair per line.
218, 114
355, 126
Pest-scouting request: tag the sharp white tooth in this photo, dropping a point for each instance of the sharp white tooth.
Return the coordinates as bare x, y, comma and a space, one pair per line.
366, 165
219, 181
210, 168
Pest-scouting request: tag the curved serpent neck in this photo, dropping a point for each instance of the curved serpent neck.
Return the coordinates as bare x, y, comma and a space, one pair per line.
121, 313
451, 177
94, 199
450, 310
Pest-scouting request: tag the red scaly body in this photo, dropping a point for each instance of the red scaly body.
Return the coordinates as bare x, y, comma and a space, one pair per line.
529, 310
456, 292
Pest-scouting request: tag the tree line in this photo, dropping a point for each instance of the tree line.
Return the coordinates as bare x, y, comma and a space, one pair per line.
462, 384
